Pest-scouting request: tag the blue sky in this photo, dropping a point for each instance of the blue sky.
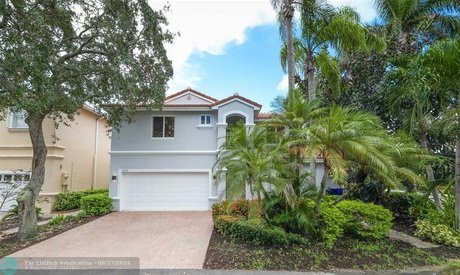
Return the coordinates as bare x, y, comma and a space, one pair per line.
228, 46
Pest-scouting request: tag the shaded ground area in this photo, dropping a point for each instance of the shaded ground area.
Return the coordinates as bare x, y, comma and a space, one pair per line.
10, 243
348, 254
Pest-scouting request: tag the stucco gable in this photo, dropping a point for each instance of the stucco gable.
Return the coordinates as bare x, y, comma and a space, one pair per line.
189, 97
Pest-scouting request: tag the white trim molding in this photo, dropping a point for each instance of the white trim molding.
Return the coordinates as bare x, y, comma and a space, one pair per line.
256, 108
235, 112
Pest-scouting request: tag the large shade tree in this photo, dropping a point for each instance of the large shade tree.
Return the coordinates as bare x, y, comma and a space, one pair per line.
56, 56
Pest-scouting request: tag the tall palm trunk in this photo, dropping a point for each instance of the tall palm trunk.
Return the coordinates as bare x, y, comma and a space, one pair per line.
28, 196
288, 14
457, 170
457, 183
309, 68
309, 75
322, 189
429, 172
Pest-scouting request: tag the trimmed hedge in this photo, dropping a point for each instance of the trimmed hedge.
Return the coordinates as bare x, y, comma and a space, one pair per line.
331, 222
240, 220
254, 231
71, 200
366, 220
96, 204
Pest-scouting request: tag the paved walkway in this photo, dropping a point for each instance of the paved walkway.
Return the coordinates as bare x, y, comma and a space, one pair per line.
161, 240
411, 240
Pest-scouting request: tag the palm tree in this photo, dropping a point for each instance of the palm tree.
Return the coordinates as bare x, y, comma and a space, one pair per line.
410, 97
248, 158
443, 60
298, 112
415, 23
285, 9
325, 29
345, 137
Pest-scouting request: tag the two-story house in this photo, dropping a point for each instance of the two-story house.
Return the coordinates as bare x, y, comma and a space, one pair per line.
165, 159
77, 157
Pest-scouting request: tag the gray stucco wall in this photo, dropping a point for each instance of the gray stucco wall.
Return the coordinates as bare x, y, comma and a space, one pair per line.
137, 136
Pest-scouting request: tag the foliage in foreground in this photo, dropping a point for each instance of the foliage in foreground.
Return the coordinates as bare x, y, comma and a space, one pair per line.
438, 233
363, 220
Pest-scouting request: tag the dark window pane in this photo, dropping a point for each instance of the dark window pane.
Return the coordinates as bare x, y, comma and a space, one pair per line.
208, 119
158, 126
169, 126
203, 119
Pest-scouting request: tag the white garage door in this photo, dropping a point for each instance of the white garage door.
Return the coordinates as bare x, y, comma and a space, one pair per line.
165, 191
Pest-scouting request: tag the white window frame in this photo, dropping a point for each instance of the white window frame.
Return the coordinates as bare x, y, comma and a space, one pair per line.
11, 116
205, 124
164, 125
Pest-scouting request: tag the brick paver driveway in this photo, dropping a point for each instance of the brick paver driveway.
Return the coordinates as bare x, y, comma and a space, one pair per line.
160, 239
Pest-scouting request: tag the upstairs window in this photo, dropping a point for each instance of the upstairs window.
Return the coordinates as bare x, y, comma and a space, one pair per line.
163, 127
17, 120
205, 120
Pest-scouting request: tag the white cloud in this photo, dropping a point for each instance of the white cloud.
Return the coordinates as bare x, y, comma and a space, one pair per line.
207, 26
365, 8
283, 85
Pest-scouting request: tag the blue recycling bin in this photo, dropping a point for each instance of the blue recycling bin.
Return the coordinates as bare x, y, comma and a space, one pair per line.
335, 191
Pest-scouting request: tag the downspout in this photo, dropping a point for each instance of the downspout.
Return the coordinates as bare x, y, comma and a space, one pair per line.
96, 139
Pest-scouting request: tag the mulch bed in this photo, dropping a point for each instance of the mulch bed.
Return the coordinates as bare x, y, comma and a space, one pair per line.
10, 243
347, 254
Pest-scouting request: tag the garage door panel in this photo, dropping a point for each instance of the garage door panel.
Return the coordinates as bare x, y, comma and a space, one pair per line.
165, 191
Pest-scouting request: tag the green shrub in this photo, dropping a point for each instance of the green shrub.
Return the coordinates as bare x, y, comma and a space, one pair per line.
67, 201
71, 200
254, 231
438, 233
14, 214
366, 220
57, 220
400, 202
96, 205
95, 191
331, 222
82, 214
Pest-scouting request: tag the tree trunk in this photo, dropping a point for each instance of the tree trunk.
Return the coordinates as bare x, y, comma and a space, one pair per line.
457, 181
313, 170
310, 73
288, 14
28, 196
322, 189
429, 172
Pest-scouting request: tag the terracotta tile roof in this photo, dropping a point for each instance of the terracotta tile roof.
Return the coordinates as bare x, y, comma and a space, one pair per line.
264, 115
193, 91
187, 105
237, 96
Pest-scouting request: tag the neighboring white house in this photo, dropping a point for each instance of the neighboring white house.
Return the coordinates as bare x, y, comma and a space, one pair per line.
164, 160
